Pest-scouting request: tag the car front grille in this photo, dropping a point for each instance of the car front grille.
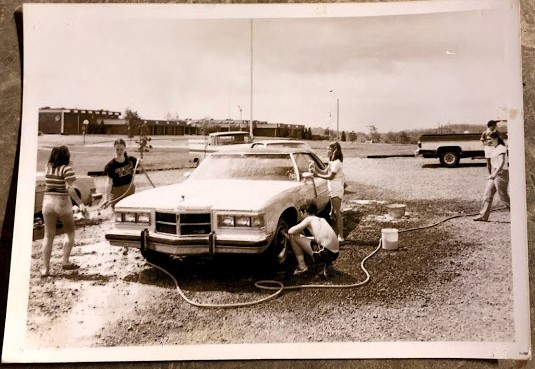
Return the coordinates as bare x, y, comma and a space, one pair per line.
183, 224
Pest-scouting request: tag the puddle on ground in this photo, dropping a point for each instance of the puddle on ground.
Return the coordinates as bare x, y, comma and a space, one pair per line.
95, 310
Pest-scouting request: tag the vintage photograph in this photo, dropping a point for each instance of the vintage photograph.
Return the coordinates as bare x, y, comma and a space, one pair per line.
205, 182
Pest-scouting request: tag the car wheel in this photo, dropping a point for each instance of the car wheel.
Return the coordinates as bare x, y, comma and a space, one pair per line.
449, 158
151, 256
277, 252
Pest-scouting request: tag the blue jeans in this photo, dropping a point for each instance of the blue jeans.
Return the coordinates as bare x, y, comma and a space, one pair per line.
500, 184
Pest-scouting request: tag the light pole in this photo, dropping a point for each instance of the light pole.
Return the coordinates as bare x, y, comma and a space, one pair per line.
337, 115
240, 109
84, 128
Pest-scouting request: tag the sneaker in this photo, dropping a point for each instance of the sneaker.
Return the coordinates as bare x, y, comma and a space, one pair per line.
340, 238
327, 271
299, 271
480, 219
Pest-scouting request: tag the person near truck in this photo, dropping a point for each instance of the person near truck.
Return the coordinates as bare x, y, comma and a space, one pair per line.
492, 126
498, 179
334, 173
322, 246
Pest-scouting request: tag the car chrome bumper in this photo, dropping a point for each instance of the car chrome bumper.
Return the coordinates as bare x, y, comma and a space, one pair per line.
187, 245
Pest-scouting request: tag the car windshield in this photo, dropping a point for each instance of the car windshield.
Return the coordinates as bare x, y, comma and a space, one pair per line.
275, 167
233, 139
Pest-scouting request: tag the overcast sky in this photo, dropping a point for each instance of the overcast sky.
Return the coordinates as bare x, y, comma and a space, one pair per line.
395, 72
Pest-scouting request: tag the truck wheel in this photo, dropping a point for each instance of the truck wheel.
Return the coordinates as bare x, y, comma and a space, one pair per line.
449, 159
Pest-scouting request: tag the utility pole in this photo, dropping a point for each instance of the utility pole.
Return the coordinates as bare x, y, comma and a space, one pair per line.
251, 94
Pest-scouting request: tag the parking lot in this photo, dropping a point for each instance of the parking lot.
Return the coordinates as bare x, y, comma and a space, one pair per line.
443, 283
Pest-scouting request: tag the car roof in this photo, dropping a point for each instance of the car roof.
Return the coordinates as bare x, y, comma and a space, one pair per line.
263, 150
279, 142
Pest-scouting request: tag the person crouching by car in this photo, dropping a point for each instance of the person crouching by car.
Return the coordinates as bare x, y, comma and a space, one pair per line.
120, 172
322, 246
498, 180
57, 204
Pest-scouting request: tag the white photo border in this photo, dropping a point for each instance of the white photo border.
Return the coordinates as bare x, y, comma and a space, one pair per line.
15, 350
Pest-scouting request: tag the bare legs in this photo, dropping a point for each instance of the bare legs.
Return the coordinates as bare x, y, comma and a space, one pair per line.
50, 233
53, 209
300, 245
336, 203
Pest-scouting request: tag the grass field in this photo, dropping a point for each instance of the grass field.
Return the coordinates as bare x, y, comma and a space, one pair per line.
170, 152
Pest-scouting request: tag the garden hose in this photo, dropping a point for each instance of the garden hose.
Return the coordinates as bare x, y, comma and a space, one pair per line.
278, 287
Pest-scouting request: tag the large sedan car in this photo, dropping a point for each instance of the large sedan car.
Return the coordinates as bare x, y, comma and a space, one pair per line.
83, 185
235, 202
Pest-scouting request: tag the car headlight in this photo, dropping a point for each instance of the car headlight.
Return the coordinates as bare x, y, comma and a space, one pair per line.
132, 217
226, 220
242, 221
239, 220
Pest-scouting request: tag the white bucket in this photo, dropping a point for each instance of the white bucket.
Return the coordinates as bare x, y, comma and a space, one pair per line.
389, 237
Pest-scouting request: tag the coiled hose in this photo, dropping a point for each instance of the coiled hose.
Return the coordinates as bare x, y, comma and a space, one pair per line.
278, 287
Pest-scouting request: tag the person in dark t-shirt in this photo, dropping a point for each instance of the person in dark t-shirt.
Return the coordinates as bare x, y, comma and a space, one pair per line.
120, 172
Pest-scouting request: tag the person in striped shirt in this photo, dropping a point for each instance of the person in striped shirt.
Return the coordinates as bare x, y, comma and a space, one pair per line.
57, 204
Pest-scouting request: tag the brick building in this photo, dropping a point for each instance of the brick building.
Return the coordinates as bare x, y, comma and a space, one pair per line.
71, 121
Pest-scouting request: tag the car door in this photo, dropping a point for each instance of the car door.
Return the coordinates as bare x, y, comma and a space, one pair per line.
302, 161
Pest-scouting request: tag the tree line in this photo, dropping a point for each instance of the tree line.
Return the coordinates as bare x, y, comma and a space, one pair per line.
371, 136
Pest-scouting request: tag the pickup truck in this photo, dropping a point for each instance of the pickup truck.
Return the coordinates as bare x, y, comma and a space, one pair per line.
449, 148
200, 148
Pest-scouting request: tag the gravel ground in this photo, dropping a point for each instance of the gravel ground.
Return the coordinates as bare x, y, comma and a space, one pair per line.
451, 282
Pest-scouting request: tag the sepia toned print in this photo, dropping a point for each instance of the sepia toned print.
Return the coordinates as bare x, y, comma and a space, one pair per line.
197, 256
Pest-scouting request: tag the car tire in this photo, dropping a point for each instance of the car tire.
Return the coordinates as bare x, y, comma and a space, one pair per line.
450, 158
277, 252
152, 256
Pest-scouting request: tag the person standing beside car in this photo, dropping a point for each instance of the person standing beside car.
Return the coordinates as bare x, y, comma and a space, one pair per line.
498, 180
120, 172
334, 173
57, 204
